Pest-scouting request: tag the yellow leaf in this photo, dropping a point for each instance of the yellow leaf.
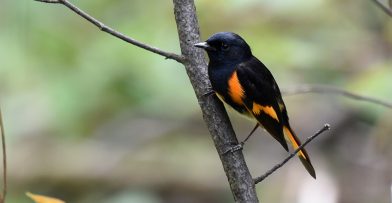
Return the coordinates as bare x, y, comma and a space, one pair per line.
43, 199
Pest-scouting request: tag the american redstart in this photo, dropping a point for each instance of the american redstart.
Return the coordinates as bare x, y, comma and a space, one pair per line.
244, 82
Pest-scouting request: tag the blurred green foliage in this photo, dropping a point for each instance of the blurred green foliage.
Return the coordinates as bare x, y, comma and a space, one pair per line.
61, 77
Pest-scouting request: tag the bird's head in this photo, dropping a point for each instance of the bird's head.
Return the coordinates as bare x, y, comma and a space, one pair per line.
226, 47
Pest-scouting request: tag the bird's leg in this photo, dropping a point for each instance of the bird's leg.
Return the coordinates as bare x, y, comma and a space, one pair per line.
241, 144
250, 134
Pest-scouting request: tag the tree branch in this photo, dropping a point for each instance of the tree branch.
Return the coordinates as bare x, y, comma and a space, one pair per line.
387, 10
115, 33
277, 166
4, 192
323, 89
214, 113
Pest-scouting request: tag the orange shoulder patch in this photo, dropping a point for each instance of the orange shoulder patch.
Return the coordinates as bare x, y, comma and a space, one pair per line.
269, 110
236, 91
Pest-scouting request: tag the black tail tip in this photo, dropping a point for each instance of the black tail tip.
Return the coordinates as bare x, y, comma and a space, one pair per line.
308, 167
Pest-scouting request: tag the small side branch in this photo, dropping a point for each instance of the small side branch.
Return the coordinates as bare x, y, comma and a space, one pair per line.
277, 166
322, 89
115, 33
49, 1
4, 192
387, 10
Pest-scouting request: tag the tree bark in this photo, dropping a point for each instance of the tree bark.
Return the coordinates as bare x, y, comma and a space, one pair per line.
214, 113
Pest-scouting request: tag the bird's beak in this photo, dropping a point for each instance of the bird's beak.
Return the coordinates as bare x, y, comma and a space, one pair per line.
204, 45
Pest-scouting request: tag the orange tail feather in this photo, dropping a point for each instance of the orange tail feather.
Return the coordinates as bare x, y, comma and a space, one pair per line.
302, 154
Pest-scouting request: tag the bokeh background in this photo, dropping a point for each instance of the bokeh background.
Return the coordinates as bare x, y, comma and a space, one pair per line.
90, 118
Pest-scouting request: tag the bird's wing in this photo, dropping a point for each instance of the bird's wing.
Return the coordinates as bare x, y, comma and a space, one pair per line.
263, 100
262, 97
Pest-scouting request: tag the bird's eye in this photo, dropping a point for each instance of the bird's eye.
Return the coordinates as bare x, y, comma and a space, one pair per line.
225, 47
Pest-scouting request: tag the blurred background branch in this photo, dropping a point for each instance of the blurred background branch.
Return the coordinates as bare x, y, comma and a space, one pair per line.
4, 157
324, 89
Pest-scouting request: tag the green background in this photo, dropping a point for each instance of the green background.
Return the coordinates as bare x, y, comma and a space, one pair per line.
90, 118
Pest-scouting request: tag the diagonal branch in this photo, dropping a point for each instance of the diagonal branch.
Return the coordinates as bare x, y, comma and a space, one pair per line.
323, 89
115, 33
277, 166
388, 11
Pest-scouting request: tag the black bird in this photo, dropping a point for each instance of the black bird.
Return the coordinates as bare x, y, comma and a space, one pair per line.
245, 83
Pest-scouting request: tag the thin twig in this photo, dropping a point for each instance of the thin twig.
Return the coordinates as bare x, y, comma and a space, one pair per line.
4, 159
277, 166
115, 33
334, 90
387, 10
49, 1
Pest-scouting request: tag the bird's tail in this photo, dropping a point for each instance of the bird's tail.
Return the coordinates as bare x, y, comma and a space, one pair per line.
302, 154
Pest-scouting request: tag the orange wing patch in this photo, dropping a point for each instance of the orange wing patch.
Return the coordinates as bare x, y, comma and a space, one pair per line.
269, 110
236, 91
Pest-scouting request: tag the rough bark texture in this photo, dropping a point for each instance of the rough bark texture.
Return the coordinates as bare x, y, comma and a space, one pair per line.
214, 114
